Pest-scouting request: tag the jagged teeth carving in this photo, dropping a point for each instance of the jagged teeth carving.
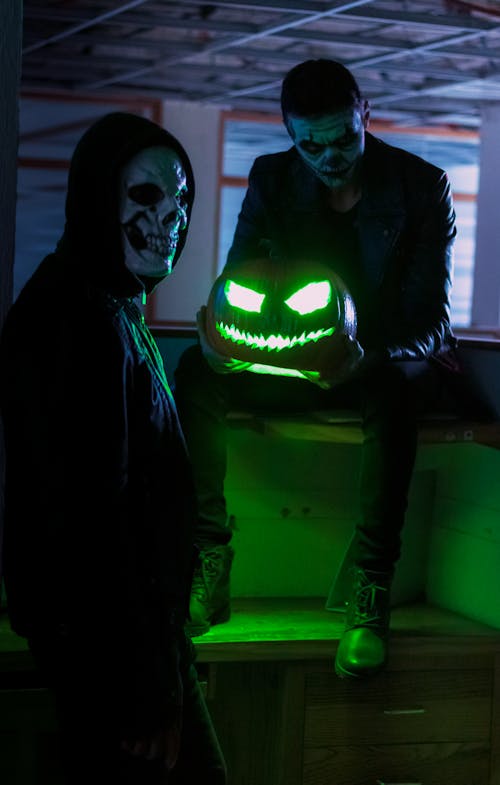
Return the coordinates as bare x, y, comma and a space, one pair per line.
273, 342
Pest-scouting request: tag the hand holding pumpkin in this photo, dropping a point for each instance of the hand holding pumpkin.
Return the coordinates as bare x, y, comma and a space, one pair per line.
218, 362
326, 378
280, 316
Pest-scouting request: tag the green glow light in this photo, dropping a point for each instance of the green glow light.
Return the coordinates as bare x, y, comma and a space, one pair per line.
310, 298
274, 370
243, 297
272, 342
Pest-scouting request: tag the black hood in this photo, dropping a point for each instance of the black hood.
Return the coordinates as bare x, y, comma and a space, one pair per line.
92, 235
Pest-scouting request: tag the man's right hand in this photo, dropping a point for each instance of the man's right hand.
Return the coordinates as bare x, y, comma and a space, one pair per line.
218, 362
164, 743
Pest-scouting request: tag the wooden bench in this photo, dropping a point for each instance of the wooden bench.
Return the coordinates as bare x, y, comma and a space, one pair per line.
432, 716
344, 427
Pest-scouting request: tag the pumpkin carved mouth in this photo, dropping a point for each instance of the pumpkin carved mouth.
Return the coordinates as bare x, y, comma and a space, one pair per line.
272, 342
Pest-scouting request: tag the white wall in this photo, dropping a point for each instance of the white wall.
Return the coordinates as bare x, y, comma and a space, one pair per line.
197, 128
486, 295
465, 538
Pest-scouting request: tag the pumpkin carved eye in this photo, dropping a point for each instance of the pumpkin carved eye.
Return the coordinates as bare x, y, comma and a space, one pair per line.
310, 298
243, 297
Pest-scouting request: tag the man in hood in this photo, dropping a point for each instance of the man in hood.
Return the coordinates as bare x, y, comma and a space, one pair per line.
100, 503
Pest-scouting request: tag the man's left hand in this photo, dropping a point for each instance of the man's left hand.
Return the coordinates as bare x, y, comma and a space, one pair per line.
351, 364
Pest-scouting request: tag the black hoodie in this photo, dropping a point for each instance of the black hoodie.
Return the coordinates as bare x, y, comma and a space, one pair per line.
100, 503
92, 234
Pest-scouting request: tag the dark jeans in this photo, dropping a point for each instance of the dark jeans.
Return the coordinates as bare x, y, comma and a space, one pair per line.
389, 399
89, 719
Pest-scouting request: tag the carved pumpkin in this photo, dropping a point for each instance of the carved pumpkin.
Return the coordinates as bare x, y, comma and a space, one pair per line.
281, 315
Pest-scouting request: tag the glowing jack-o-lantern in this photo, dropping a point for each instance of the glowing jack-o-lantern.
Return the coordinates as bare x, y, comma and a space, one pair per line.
281, 315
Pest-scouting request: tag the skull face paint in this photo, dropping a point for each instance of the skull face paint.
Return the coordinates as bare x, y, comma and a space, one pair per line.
331, 145
153, 210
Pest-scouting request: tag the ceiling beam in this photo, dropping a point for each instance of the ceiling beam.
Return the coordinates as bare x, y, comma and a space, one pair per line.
404, 18
83, 26
289, 23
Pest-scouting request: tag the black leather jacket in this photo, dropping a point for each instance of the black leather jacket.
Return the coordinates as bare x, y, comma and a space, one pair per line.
406, 230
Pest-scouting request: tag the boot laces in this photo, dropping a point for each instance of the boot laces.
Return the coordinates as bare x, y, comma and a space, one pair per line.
208, 569
366, 608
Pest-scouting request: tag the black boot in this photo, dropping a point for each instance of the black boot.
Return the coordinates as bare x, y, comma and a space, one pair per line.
362, 649
210, 593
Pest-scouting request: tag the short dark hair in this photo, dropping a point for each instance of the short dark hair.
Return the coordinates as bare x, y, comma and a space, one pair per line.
317, 87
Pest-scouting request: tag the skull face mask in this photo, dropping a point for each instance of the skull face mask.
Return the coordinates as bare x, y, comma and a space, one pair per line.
153, 210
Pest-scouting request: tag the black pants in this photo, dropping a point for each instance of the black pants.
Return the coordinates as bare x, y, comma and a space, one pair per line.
89, 719
389, 399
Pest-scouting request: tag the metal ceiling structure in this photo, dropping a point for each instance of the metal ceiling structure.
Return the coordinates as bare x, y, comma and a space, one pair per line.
425, 62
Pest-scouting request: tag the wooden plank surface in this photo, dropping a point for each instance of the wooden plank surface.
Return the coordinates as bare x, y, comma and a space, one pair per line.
406, 764
300, 628
495, 726
445, 432
398, 707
